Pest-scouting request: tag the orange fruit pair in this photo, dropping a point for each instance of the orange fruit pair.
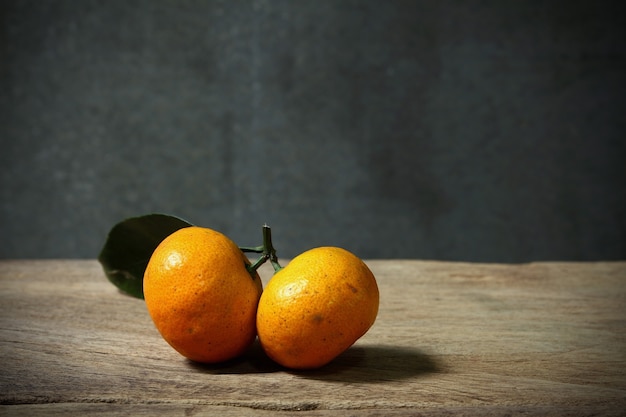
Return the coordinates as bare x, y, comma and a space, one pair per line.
208, 305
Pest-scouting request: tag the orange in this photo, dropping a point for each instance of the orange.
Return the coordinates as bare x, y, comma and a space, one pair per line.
200, 295
316, 307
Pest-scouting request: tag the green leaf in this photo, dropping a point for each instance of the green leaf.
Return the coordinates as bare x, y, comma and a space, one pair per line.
130, 245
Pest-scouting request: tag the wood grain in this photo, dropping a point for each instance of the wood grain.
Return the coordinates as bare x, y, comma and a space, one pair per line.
450, 339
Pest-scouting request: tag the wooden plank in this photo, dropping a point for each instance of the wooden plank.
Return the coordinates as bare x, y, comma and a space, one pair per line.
451, 338
199, 410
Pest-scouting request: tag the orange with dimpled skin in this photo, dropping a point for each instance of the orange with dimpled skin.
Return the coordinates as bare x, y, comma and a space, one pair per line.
316, 307
200, 295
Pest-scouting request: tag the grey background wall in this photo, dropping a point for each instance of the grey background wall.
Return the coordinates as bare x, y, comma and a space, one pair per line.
463, 130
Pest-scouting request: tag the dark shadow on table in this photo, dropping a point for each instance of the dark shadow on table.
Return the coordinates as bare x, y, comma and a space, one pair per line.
374, 364
359, 364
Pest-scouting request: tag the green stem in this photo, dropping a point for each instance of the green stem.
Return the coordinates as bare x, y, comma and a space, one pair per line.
255, 249
253, 267
276, 265
266, 249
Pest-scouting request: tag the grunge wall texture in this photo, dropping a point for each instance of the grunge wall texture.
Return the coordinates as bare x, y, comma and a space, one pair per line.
456, 130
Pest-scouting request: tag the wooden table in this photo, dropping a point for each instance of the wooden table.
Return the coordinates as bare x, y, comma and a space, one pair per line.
450, 339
